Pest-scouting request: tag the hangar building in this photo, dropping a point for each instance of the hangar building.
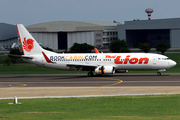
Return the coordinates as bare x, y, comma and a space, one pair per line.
151, 31
8, 35
63, 34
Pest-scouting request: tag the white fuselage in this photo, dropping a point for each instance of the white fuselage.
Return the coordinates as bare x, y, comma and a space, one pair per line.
121, 61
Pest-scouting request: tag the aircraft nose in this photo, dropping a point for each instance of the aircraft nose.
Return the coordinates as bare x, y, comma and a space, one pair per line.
172, 63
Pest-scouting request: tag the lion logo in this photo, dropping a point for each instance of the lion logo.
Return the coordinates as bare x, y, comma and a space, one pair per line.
28, 44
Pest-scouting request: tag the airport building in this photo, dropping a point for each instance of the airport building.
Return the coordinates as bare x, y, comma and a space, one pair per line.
8, 35
63, 34
151, 31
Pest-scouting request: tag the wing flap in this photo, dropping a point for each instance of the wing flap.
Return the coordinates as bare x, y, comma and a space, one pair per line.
87, 67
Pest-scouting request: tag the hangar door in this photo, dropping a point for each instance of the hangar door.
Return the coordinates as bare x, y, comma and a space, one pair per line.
62, 40
47, 39
80, 37
134, 37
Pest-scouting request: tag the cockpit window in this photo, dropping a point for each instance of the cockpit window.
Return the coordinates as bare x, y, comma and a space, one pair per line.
165, 59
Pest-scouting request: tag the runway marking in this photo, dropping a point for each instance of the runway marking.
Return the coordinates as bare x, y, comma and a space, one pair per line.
19, 84
120, 81
151, 81
92, 82
56, 82
22, 84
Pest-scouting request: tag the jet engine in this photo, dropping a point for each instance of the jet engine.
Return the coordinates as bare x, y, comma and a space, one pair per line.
105, 70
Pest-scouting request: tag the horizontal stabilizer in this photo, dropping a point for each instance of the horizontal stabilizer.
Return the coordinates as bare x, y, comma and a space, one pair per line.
27, 57
21, 56
14, 55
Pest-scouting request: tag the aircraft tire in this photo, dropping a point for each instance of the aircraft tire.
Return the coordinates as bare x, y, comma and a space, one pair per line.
90, 74
158, 73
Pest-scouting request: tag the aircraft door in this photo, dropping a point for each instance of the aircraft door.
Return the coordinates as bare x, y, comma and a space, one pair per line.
154, 60
42, 60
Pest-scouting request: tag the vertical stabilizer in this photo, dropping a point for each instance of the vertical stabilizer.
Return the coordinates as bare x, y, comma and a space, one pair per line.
28, 43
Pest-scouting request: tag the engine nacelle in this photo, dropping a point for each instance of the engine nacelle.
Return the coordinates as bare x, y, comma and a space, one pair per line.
105, 70
121, 71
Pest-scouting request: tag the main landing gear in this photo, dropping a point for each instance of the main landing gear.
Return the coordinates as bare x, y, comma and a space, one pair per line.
158, 73
90, 74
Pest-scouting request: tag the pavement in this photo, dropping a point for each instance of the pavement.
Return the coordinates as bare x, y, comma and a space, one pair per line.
81, 85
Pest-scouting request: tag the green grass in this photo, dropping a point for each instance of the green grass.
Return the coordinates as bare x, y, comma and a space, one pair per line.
26, 68
175, 57
110, 108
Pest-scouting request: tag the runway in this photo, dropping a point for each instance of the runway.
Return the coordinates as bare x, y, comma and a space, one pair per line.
66, 85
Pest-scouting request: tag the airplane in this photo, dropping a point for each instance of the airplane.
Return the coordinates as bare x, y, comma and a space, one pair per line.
100, 63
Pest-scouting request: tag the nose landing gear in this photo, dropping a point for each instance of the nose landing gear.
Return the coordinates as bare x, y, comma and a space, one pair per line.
158, 73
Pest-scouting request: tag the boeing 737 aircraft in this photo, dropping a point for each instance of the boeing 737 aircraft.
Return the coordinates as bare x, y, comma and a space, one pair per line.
101, 63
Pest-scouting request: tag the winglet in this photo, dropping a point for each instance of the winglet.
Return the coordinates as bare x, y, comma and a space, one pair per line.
96, 51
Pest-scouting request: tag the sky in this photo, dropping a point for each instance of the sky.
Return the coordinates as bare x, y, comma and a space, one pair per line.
29, 12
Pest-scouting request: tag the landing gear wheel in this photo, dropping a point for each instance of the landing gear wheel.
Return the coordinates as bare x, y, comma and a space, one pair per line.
90, 74
158, 73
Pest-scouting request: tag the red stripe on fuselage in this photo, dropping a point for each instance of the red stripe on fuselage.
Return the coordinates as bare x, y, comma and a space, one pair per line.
47, 59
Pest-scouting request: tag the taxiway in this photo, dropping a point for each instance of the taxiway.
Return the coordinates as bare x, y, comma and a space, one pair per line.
74, 85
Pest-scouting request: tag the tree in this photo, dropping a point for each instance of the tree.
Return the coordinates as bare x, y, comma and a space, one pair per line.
162, 47
81, 48
119, 46
145, 47
13, 59
15, 51
7, 61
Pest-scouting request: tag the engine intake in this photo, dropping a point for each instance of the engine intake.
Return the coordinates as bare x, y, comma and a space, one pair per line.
105, 70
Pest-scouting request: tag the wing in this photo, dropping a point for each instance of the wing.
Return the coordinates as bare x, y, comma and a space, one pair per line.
85, 67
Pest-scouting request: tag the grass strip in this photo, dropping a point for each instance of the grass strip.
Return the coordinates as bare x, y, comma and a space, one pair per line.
161, 107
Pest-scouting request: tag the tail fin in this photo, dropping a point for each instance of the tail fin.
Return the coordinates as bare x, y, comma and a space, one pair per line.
28, 43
